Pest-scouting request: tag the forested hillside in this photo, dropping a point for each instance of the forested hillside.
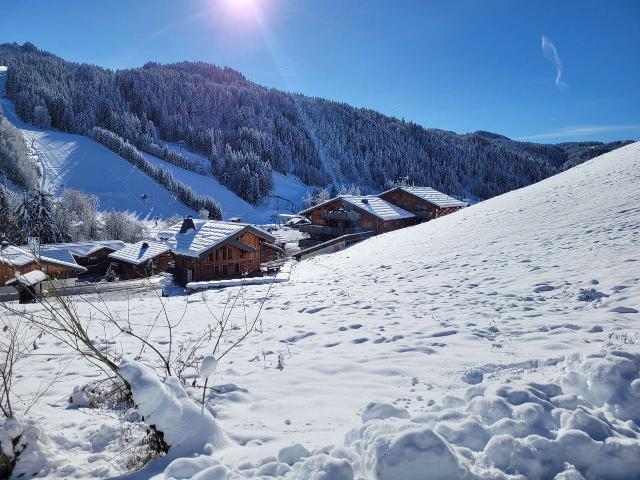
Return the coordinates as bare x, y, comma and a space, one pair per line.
247, 130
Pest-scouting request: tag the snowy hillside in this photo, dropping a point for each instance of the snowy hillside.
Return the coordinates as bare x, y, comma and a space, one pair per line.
75, 161
284, 187
500, 342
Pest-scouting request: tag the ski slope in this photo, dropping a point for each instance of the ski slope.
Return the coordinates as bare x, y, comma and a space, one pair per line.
498, 342
75, 161
284, 187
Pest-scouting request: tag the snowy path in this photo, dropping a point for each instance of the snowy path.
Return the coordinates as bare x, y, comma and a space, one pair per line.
504, 293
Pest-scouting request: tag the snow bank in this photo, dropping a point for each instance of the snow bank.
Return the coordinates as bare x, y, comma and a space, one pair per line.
583, 425
35, 456
281, 277
164, 403
587, 419
233, 283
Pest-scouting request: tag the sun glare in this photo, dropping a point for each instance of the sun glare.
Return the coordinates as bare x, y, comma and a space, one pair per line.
243, 5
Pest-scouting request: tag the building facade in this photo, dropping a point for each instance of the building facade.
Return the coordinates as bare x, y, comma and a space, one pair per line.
207, 250
424, 202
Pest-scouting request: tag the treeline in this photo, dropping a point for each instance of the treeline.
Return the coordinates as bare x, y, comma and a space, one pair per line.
246, 130
72, 217
164, 177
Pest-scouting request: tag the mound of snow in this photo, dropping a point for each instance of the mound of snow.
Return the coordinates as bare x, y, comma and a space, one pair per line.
187, 429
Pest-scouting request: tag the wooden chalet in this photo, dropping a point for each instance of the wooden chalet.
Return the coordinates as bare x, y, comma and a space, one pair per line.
94, 255
16, 261
210, 250
424, 202
142, 259
350, 214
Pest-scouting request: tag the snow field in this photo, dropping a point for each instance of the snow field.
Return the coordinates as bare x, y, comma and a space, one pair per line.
497, 342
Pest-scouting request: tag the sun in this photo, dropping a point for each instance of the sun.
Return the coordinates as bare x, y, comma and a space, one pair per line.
242, 4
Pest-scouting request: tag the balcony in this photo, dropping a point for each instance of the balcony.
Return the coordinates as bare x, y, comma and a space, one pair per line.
340, 215
328, 231
423, 215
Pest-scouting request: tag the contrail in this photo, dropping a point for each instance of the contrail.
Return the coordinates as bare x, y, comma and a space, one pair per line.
551, 52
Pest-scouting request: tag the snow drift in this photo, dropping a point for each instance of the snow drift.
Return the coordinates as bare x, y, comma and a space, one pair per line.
187, 429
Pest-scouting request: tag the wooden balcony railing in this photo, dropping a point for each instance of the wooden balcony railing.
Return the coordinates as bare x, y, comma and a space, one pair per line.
340, 215
329, 231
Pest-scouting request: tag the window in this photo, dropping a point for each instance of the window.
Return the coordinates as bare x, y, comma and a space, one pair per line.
224, 270
237, 268
217, 255
216, 271
230, 253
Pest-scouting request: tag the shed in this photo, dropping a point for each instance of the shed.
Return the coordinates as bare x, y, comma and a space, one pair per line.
29, 285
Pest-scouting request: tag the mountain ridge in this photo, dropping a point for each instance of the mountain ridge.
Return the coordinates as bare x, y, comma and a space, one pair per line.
247, 131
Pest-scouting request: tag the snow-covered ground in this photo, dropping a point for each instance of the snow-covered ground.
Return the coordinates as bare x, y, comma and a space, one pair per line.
75, 161
497, 342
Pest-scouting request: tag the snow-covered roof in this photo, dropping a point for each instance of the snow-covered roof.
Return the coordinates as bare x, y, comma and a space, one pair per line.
15, 256
372, 204
58, 253
206, 236
19, 257
432, 196
28, 279
377, 206
137, 253
84, 249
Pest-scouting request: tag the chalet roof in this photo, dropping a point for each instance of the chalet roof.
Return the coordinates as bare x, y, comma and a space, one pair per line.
206, 236
431, 195
19, 257
370, 203
137, 253
28, 279
84, 249
59, 253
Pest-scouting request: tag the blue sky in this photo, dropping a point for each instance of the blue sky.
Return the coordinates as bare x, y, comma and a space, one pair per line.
456, 65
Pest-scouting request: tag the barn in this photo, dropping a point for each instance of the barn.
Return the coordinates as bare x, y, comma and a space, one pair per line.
208, 250
350, 214
142, 259
424, 202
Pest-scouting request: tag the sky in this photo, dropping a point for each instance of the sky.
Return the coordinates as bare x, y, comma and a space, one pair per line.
546, 71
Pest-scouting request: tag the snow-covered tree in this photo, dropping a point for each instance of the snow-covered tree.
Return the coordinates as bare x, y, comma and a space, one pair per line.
122, 226
77, 215
37, 218
9, 230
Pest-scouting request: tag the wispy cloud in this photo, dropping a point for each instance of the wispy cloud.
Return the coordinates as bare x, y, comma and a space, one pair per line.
583, 131
551, 52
